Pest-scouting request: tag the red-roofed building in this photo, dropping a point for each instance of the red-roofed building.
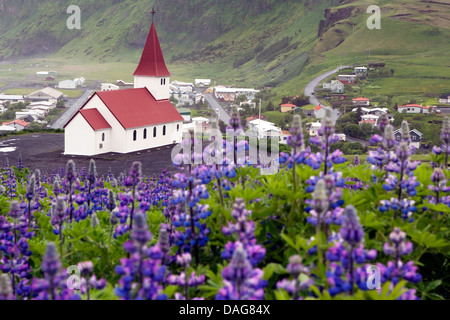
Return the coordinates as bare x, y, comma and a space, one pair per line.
256, 118
414, 108
18, 124
129, 120
362, 102
287, 107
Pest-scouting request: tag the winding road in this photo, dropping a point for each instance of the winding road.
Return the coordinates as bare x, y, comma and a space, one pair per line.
311, 87
215, 105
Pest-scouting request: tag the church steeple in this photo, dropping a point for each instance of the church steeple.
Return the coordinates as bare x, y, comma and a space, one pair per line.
152, 61
152, 72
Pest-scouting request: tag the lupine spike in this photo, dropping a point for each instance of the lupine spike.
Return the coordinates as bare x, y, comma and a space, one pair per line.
295, 140
351, 230
389, 138
320, 198
51, 263
406, 136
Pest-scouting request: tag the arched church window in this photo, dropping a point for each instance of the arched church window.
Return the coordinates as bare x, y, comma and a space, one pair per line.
134, 135
178, 127
154, 132
103, 137
164, 130
145, 134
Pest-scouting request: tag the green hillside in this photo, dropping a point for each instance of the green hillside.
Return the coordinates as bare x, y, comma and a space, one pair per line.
249, 43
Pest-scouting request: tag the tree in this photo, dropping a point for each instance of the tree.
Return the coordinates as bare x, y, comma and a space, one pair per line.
398, 119
60, 104
358, 115
173, 99
270, 106
241, 98
353, 130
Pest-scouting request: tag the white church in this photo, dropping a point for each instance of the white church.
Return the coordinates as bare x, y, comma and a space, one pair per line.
129, 120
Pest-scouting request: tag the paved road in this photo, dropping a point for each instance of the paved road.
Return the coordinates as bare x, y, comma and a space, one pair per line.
62, 120
215, 105
311, 87
363, 142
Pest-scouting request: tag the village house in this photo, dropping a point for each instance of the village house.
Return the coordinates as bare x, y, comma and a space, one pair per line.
264, 128
359, 71
18, 125
46, 94
347, 79
185, 113
11, 98
314, 129
41, 104
373, 123
79, 81
67, 84
414, 108
284, 136
288, 107
202, 83
362, 102
230, 94
35, 114
122, 83
335, 86
129, 120
416, 137
445, 98
255, 117
109, 87
45, 74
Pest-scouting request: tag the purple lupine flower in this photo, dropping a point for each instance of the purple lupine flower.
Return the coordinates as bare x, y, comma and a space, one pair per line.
356, 161
70, 171
383, 122
389, 141
244, 228
406, 136
351, 230
50, 263
88, 279
241, 281
398, 246
295, 140
141, 235
296, 267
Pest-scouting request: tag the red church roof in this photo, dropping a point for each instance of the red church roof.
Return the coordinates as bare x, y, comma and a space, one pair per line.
135, 108
95, 119
152, 61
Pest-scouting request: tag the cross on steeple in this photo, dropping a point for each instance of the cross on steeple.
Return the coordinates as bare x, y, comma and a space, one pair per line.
153, 12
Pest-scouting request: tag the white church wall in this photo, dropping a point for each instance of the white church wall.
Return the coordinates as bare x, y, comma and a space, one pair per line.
79, 137
159, 91
117, 135
104, 146
173, 136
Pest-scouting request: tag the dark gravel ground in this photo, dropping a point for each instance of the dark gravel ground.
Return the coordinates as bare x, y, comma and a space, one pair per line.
44, 151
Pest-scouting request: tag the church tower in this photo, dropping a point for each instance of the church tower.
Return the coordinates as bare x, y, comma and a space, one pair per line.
152, 71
